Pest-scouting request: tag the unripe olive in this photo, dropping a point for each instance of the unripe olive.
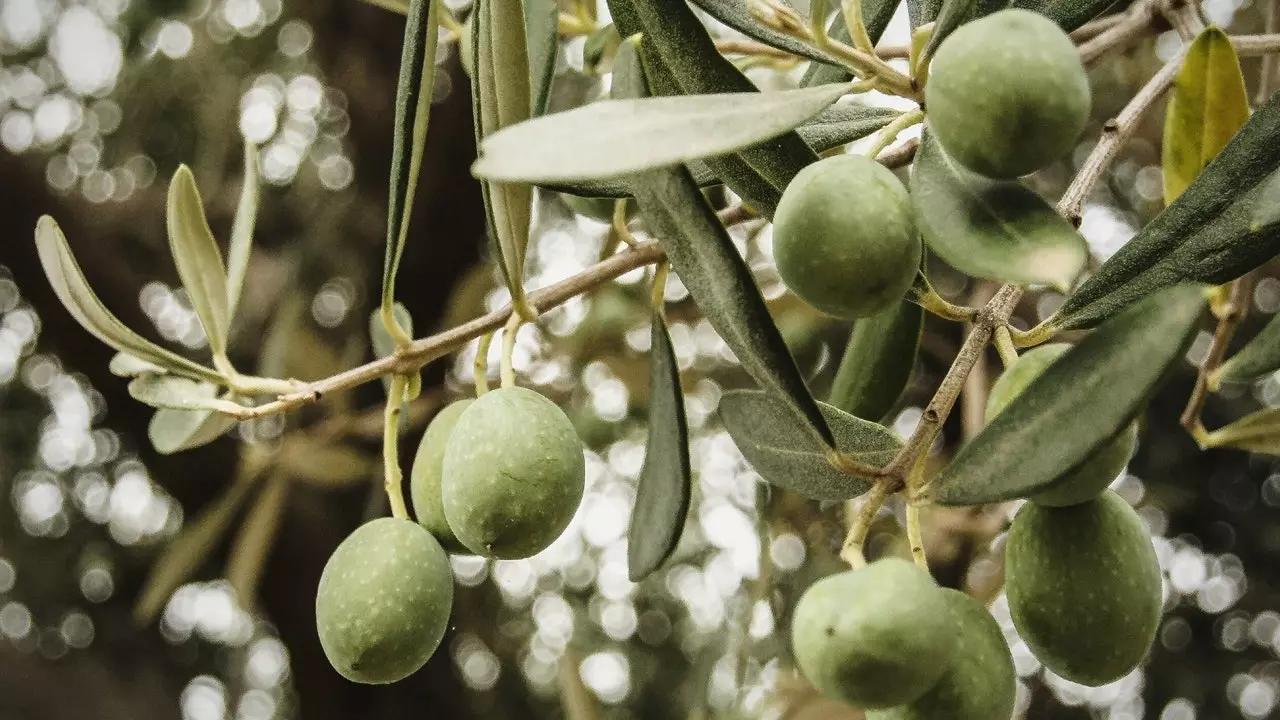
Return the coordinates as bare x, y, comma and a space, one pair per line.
980, 683
1095, 473
424, 479
844, 238
1007, 94
1084, 587
875, 637
384, 601
514, 474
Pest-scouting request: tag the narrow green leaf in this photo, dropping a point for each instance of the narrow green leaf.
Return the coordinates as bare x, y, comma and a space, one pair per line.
177, 393
612, 138
198, 258
326, 464
878, 361
1069, 14
500, 99
1204, 236
242, 229
1257, 432
735, 14
1208, 106
77, 297
876, 15
666, 481
1260, 356
995, 229
172, 431
125, 365
253, 542
785, 454
409, 138
400, 7
704, 256
1266, 206
188, 550
837, 125
542, 25
1076, 405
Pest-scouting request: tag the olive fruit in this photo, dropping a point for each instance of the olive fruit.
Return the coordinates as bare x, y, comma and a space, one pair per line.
875, 637
424, 479
1084, 587
844, 238
979, 684
384, 601
1007, 93
513, 475
1095, 473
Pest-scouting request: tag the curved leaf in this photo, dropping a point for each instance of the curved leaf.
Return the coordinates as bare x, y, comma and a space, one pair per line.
1266, 206
241, 245
996, 229
612, 138
1260, 356
542, 19
666, 481
125, 365
1069, 14
1209, 104
71, 287
177, 393
1256, 432
198, 259
785, 454
1204, 236
735, 14
1079, 403
409, 138
878, 361
253, 542
172, 431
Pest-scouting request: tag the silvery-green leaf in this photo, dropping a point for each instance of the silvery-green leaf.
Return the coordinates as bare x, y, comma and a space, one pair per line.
995, 229
198, 258
242, 229
1069, 14
1266, 206
191, 547
666, 480
1206, 235
409, 138
77, 297
878, 361
125, 365
542, 20
1260, 356
253, 542
172, 431
1257, 432
735, 14
178, 393
786, 454
1078, 404
611, 138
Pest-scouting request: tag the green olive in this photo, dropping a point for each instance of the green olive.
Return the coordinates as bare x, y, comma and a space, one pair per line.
424, 479
844, 238
1007, 93
384, 601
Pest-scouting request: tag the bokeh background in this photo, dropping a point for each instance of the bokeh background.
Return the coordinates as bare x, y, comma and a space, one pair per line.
137, 585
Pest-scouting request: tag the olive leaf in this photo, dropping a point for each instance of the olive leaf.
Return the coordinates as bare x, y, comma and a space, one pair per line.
876, 15
409, 138
1257, 432
542, 30
599, 49
499, 99
1209, 104
383, 344
996, 229
704, 256
1266, 206
612, 138
178, 393
198, 258
325, 464
954, 13
1204, 236
785, 453
878, 361
125, 365
242, 229
257, 534
837, 125
73, 290
665, 485
1078, 404
189, 549
735, 14
172, 431
1258, 357
1068, 14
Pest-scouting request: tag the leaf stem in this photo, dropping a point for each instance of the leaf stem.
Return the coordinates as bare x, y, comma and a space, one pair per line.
915, 537
923, 294
507, 368
890, 132
391, 448
1004, 345
480, 368
852, 550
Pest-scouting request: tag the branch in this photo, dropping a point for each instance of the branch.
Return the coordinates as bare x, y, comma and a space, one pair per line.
1229, 317
1126, 29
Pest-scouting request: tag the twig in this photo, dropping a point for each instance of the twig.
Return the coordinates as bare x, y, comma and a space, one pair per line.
915, 538
1128, 28
1095, 28
851, 552
1229, 317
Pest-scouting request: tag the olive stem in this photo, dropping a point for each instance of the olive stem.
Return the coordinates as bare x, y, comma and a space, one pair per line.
923, 294
659, 297
852, 550
818, 23
619, 223
857, 27
507, 369
480, 368
1229, 317
915, 538
391, 448
1004, 345
890, 132
1267, 72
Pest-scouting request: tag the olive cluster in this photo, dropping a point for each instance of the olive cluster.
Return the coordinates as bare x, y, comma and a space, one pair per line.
500, 476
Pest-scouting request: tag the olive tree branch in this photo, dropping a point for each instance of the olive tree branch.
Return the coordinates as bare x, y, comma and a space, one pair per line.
1229, 314
1127, 28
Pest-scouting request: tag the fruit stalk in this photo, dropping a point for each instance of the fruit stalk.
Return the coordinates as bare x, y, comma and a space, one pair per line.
391, 445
